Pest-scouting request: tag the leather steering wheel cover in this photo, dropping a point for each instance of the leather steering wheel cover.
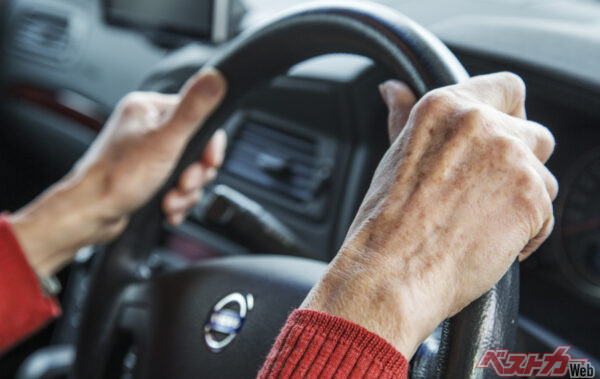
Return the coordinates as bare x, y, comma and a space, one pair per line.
396, 43
478, 327
392, 40
399, 45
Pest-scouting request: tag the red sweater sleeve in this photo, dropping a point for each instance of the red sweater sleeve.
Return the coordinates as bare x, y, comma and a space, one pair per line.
23, 307
315, 344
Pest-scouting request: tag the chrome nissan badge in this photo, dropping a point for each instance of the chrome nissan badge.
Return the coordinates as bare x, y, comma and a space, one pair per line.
226, 320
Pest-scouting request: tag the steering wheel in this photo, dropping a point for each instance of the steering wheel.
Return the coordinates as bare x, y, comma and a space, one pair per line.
218, 318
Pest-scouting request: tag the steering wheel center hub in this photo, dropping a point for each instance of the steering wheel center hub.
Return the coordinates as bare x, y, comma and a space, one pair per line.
226, 320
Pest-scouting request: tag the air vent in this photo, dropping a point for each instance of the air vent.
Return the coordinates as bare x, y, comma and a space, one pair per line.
42, 34
283, 163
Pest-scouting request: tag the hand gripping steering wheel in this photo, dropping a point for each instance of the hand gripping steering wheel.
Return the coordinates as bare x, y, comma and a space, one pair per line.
159, 321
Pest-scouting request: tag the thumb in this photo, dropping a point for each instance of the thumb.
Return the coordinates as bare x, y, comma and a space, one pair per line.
399, 99
200, 96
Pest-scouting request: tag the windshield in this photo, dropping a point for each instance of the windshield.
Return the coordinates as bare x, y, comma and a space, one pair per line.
556, 9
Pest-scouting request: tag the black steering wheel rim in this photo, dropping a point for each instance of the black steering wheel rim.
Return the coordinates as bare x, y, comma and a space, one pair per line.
394, 42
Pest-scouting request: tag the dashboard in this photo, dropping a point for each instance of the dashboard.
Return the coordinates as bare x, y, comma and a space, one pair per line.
65, 68
579, 222
296, 118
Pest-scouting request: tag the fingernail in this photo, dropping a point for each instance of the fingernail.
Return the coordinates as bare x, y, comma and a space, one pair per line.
194, 178
221, 144
397, 94
210, 174
384, 91
211, 83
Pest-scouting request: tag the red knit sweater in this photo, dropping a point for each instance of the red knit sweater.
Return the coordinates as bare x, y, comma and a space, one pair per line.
311, 344
318, 345
23, 307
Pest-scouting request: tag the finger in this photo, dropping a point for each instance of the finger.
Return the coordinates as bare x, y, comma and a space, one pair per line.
536, 136
399, 99
134, 105
504, 91
164, 104
210, 173
192, 177
176, 218
163, 101
196, 176
147, 108
200, 95
538, 239
549, 180
168, 202
214, 153
544, 198
176, 201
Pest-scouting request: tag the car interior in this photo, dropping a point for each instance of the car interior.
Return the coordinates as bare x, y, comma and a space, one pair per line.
306, 129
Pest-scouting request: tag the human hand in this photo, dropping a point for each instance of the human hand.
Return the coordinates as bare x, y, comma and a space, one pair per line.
125, 166
461, 193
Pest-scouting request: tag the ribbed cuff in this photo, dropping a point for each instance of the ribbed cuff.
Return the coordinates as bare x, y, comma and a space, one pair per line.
23, 306
315, 344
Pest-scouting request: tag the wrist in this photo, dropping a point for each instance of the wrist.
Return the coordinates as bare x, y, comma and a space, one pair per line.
58, 223
371, 298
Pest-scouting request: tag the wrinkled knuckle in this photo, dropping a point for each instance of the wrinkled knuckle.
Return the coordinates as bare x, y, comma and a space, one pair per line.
134, 97
529, 197
526, 180
433, 102
471, 120
515, 83
132, 104
547, 141
131, 109
544, 216
507, 149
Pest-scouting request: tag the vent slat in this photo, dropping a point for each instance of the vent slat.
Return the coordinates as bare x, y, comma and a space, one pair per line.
42, 34
296, 143
296, 170
299, 155
265, 146
258, 177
